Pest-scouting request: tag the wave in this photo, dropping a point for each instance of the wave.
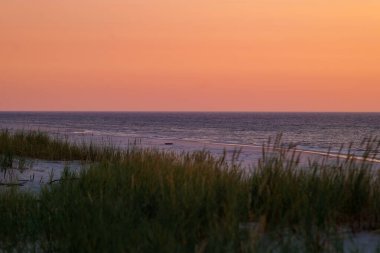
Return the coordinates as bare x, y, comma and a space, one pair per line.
201, 142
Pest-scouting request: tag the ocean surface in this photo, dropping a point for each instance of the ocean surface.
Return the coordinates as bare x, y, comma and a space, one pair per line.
214, 131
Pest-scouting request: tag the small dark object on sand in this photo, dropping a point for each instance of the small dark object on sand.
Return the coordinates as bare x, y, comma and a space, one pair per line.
168, 143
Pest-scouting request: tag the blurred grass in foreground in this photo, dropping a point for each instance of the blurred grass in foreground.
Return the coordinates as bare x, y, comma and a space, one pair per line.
146, 200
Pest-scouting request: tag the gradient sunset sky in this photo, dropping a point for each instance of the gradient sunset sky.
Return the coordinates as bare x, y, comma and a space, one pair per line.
199, 55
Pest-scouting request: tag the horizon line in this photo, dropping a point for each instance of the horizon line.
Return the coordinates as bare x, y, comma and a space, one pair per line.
171, 111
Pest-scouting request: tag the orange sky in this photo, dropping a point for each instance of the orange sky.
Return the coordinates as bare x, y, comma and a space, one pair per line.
199, 55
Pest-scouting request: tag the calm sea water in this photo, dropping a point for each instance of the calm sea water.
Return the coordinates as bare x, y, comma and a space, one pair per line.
310, 131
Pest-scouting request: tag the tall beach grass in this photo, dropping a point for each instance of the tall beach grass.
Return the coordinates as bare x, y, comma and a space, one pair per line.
147, 200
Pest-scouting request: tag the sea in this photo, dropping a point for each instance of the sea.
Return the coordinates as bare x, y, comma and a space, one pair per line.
217, 132
315, 134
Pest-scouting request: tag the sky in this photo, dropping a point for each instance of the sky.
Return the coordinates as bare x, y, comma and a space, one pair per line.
199, 55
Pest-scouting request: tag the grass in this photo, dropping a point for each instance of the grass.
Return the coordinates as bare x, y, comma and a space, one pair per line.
37, 144
146, 200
